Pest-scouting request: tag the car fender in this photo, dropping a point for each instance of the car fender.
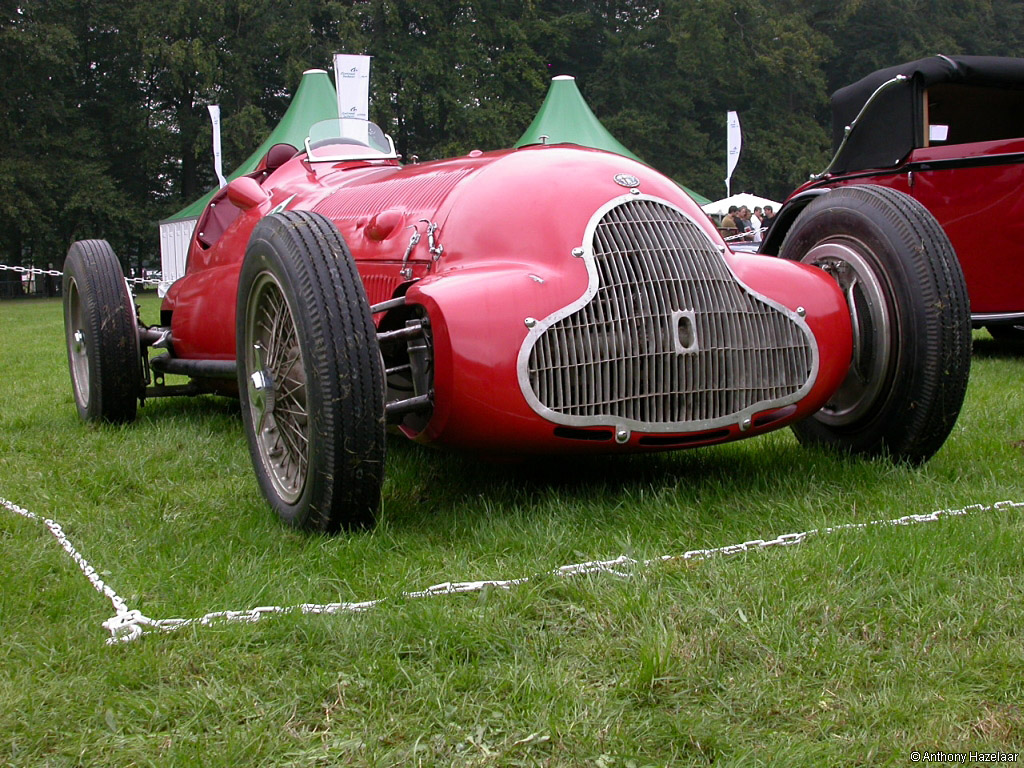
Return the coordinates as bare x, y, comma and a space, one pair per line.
784, 219
479, 318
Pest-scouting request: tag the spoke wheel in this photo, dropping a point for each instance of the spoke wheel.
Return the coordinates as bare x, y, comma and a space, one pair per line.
310, 375
909, 317
277, 388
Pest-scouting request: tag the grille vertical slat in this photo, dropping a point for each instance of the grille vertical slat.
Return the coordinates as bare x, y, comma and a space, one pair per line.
619, 357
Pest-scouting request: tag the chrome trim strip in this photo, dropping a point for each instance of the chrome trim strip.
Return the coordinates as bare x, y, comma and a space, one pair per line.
982, 318
736, 418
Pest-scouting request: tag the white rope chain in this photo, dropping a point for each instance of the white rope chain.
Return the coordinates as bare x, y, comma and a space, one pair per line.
130, 624
58, 273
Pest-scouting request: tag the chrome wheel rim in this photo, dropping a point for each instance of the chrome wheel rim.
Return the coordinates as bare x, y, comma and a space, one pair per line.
871, 321
276, 383
78, 353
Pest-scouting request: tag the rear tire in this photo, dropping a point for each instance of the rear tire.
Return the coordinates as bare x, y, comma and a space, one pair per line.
310, 375
102, 334
911, 322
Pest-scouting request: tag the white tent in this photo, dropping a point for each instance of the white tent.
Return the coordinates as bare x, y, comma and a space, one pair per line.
721, 207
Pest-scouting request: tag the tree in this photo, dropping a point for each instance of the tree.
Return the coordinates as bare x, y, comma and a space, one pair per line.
874, 34
765, 63
105, 129
55, 178
452, 76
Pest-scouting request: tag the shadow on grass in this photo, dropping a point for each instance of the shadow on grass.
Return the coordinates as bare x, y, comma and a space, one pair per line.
463, 474
988, 348
432, 489
201, 407
428, 488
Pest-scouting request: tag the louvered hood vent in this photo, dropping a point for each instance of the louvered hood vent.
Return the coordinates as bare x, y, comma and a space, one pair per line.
666, 338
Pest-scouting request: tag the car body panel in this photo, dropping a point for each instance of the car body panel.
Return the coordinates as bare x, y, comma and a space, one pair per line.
495, 247
972, 187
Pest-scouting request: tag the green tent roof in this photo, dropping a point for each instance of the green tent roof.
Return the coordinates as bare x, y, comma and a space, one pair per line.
565, 117
315, 100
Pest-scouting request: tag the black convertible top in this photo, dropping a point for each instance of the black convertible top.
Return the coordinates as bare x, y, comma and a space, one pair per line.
893, 124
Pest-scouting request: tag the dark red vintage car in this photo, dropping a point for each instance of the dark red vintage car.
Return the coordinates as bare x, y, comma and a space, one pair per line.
549, 299
949, 132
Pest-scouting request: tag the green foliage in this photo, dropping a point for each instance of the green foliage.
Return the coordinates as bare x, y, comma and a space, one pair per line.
878, 33
449, 77
105, 129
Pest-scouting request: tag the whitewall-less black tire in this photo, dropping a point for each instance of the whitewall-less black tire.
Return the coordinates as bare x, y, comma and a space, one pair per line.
910, 316
310, 375
102, 334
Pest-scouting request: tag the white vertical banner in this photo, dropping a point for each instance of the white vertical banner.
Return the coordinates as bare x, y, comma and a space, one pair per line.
352, 77
734, 143
218, 162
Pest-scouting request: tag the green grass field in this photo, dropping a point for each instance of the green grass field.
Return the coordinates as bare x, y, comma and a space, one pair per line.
853, 648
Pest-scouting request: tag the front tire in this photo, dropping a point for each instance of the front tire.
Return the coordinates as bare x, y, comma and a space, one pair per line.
102, 334
310, 376
910, 316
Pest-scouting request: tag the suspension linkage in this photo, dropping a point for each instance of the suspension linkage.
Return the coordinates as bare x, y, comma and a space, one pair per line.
384, 306
413, 329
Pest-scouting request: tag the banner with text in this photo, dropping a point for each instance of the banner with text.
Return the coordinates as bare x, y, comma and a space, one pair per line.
352, 77
218, 161
734, 143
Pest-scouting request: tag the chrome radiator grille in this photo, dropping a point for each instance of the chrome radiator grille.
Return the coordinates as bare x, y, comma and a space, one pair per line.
669, 339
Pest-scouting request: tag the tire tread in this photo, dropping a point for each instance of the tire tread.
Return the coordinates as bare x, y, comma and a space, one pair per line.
345, 480
934, 331
115, 381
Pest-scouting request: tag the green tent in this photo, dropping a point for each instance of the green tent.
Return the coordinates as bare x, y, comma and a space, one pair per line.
315, 100
564, 117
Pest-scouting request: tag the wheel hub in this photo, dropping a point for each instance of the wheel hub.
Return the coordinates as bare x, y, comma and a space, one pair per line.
79, 358
262, 394
871, 322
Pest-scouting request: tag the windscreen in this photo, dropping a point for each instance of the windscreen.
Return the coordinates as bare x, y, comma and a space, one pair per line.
348, 138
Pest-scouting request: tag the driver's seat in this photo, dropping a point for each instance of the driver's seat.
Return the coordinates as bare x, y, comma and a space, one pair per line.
276, 156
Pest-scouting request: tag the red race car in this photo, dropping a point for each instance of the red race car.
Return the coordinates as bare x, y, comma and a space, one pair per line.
948, 131
550, 299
